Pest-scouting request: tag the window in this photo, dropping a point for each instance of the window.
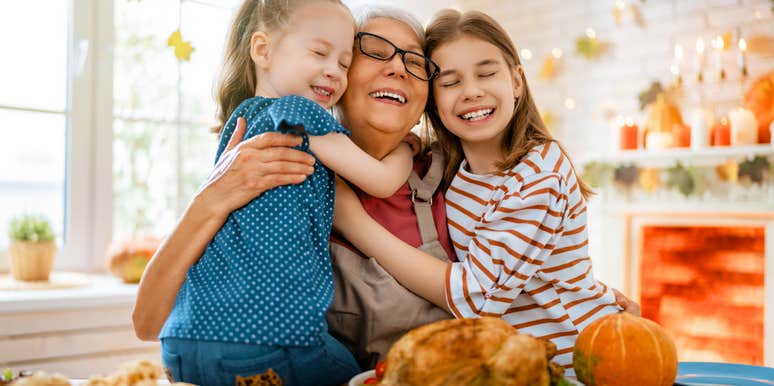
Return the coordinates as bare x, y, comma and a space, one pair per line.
163, 109
104, 131
34, 112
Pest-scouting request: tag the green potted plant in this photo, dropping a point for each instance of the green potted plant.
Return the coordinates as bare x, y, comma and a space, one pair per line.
32, 248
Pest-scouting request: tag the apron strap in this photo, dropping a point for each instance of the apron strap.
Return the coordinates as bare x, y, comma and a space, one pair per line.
422, 191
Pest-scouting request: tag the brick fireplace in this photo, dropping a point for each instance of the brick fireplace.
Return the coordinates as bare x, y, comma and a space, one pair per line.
703, 277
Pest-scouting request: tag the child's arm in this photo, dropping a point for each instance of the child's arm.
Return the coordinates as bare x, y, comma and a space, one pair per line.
414, 269
380, 179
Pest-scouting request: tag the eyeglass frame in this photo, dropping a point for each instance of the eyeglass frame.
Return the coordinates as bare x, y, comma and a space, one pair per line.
397, 50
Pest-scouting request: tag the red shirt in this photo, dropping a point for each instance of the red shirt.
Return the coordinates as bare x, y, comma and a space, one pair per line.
396, 213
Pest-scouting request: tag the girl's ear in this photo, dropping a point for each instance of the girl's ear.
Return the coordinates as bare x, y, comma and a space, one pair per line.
518, 84
259, 49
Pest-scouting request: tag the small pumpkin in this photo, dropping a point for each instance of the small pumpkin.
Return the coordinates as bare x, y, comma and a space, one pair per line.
615, 349
760, 100
127, 259
662, 117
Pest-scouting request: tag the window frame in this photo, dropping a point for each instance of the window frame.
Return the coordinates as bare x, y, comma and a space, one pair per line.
88, 185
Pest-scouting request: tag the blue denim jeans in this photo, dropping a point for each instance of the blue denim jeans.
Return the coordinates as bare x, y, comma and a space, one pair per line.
217, 363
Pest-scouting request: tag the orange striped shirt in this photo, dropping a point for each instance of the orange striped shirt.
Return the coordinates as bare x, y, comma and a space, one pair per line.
521, 240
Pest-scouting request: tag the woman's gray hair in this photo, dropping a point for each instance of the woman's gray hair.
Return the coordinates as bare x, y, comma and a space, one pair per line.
364, 13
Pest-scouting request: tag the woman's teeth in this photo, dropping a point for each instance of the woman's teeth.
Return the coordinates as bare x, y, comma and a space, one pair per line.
321, 91
477, 115
385, 94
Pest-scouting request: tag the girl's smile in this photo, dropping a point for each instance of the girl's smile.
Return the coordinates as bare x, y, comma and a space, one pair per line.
478, 115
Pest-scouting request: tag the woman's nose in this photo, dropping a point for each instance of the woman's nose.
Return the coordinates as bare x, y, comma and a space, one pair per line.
395, 67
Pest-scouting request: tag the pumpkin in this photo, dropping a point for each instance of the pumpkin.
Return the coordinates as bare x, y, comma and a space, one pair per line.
760, 100
128, 259
623, 349
662, 117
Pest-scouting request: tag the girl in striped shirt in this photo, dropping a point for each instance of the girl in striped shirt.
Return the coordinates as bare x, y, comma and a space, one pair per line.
516, 209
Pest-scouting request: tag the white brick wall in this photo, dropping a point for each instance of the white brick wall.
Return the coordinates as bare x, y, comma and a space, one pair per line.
637, 56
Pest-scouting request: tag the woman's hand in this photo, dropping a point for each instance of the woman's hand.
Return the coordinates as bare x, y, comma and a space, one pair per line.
244, 171
247, 169
627, 304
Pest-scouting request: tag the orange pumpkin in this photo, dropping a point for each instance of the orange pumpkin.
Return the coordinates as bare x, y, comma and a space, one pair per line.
662, 117
128, 259
623, 349
760, 100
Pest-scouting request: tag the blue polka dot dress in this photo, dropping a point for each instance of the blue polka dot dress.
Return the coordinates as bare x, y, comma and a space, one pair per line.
266, 278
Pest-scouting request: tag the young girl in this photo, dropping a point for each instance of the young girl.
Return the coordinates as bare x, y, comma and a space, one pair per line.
516, 209
257, 297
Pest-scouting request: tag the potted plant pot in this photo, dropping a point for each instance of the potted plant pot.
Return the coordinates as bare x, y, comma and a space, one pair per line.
32, 260
32, 248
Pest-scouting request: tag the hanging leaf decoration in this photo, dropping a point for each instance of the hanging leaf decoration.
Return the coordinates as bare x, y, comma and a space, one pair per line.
637, 14
649, 96
597, 174
755, 169
728, 171
626, 175
548, 69
588, 47
685, 180
650, 179
183, 49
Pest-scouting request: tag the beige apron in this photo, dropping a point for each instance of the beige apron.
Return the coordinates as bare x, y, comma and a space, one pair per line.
370, 309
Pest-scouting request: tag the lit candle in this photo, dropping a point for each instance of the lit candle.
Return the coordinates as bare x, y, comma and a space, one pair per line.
718, 44
743, 57
678, 61
699, 59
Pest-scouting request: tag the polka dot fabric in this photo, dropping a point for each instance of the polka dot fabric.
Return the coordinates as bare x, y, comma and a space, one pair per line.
266, 278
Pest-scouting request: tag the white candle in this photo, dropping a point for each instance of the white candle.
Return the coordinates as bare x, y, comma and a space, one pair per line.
743, 57
699, 59
678, 62
718, 44
744, 127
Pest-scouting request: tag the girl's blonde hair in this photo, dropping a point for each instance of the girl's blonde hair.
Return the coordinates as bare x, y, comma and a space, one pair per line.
237, 80
525, 130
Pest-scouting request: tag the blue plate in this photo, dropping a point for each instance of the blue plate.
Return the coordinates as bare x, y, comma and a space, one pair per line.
710, 373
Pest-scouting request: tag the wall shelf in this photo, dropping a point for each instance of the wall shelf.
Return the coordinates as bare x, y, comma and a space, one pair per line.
709, 156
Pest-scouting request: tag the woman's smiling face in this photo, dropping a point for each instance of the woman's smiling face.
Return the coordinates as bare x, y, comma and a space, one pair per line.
369, 104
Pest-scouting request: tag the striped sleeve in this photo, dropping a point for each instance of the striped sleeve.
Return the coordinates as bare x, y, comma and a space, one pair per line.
507, 247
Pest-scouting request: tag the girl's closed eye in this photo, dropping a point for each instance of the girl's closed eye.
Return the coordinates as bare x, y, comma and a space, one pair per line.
488, 74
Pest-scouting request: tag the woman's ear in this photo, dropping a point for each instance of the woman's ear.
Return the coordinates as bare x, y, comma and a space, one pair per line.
518, 84
259, 49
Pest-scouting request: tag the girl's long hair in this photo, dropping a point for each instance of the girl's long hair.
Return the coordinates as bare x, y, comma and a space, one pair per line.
524, 131
237, 80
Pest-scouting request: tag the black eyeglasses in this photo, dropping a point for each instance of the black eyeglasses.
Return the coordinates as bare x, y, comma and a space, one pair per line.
379, 48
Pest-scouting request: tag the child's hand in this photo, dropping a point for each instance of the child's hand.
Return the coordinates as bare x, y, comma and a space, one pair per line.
414, 142
627, 304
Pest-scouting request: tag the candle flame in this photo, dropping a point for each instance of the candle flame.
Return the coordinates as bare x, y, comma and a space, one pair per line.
742, 45
619, 120
590, 33
678, 51
718, 43
557, 52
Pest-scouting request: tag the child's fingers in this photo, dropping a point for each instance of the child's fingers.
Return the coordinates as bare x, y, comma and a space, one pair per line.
238, 134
